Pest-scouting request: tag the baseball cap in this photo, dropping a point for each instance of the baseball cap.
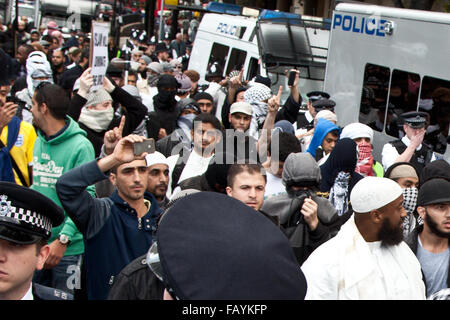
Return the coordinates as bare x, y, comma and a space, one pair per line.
241, 106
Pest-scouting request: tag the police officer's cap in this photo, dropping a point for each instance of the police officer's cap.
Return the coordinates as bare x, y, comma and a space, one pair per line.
323, 104
317, 95
26, 216
415, 119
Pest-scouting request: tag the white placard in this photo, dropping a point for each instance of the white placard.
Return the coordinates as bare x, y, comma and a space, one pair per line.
99, 53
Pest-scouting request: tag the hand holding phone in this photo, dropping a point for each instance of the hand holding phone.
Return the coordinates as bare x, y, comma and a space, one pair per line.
291, 79
147, 145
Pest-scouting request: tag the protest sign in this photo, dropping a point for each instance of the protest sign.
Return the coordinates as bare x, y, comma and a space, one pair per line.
98, 58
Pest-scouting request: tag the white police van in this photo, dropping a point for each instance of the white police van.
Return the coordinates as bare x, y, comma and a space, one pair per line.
236, 41
379, 57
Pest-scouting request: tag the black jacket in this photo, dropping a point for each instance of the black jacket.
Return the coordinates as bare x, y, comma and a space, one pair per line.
412, 242
134, 114
136, 282
41, 292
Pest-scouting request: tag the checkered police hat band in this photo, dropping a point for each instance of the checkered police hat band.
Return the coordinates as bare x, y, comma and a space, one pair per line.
27, 216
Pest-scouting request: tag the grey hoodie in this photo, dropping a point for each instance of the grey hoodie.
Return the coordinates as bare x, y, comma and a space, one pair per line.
301, 168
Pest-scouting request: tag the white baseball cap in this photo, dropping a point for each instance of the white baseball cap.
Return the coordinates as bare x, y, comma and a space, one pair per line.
241, 106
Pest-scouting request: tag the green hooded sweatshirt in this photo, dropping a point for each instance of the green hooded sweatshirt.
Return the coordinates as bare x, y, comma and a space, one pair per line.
51, 159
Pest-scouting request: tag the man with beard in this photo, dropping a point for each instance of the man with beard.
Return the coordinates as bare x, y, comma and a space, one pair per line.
430, 241
367, 258
58, 65
158, 177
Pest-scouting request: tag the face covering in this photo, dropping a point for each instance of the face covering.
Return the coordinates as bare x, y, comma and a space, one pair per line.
410, 199
166, 98
152, 80
186, 123
97, 120
409, 203
365, 159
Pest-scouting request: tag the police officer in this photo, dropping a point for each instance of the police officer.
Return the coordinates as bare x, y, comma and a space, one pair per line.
26, 220
410, 148
306, 120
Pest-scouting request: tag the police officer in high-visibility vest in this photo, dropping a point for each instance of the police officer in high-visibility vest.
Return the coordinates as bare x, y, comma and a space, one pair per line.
411, 147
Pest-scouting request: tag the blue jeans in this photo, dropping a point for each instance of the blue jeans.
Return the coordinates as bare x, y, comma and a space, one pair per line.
65, 276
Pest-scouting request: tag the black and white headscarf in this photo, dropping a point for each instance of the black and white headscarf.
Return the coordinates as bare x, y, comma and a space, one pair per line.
339, 193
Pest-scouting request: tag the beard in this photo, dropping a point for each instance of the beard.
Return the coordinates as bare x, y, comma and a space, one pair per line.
433, 225
390, 235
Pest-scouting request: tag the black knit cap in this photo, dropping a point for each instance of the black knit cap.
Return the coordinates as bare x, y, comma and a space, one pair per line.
26, 216
435, 169
214, 247
434, 191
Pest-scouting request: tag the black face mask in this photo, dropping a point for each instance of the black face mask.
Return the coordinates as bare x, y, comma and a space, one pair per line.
298, 193
166, 97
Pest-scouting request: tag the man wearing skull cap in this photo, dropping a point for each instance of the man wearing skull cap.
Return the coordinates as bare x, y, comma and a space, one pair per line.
367, 259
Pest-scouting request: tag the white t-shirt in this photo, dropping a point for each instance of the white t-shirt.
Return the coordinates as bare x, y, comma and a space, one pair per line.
195, 166
274, 186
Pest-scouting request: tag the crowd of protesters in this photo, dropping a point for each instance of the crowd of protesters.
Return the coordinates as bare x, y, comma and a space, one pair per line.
244, 197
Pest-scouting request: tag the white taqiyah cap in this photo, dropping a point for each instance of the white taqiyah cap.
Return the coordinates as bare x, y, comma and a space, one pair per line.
372, 193
155, 158
357, 130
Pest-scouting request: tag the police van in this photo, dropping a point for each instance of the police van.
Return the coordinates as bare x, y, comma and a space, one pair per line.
235, 41
385, 61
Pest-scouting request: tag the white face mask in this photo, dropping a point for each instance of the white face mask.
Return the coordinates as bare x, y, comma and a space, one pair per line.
97, 120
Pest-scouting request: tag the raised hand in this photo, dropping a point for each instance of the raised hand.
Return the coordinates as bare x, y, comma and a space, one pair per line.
236, 81
113, 136
7, 112
274, 102
124, 150
309, 211
86, 82
108, 85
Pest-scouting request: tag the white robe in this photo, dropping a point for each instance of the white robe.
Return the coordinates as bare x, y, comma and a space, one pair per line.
347, 267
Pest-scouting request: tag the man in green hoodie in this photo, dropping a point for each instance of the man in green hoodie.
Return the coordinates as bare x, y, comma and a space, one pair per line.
60, 146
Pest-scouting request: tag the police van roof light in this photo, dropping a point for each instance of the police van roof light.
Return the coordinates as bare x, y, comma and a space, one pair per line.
271, 14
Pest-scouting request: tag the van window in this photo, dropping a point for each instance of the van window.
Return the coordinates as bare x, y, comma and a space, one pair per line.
404, 92
374, 98
252, 68
236, 60
435, 100
219, 53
